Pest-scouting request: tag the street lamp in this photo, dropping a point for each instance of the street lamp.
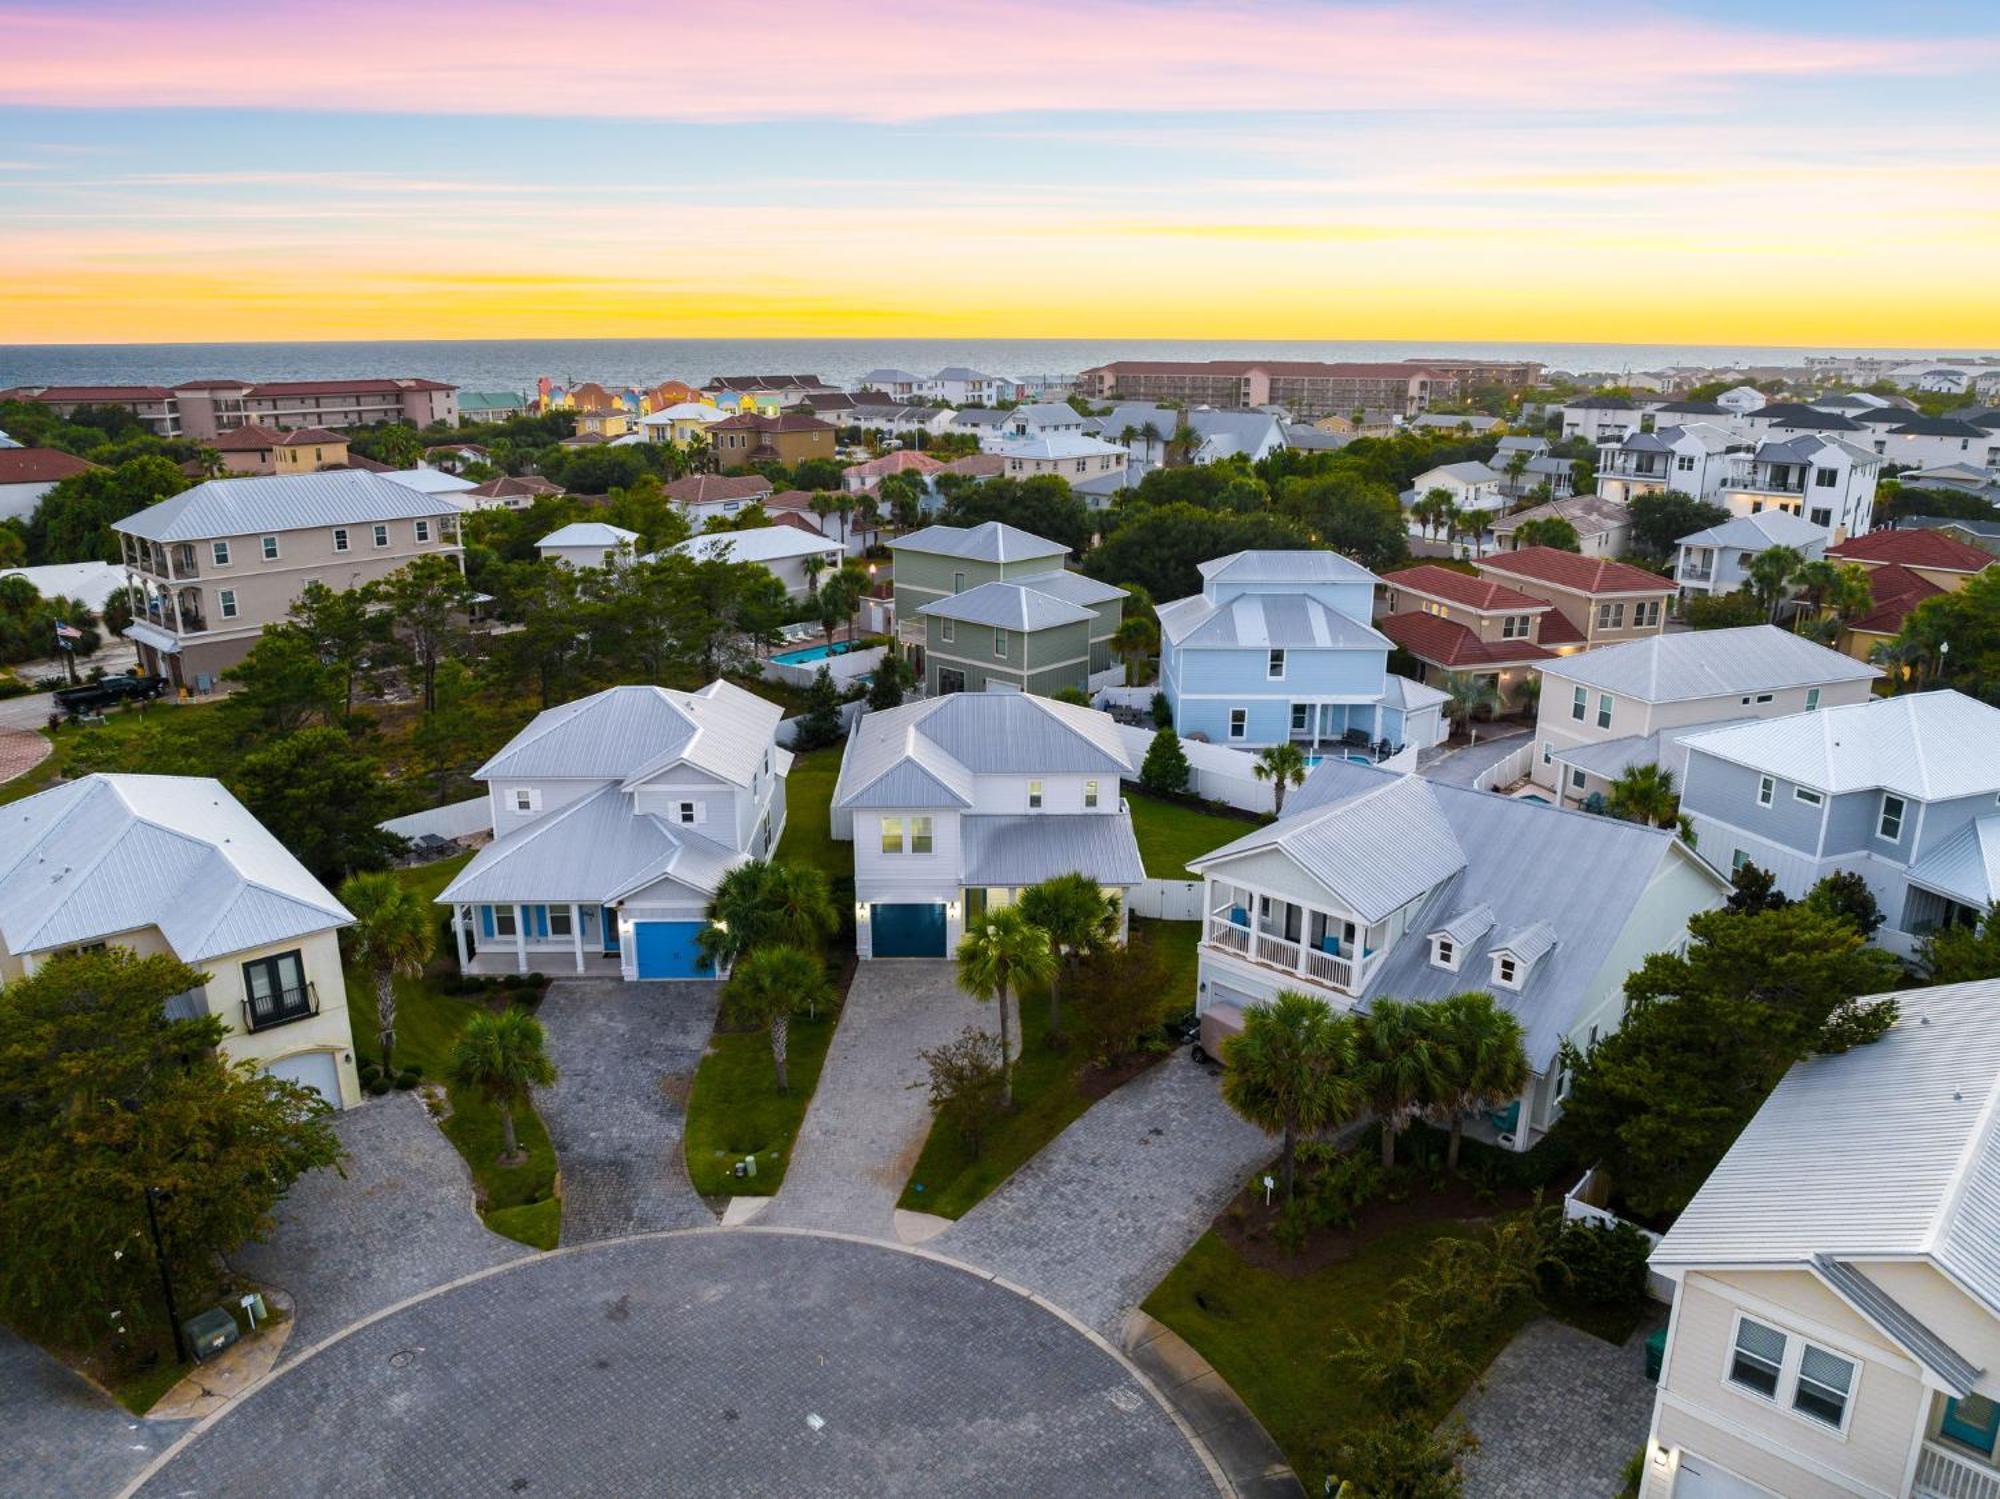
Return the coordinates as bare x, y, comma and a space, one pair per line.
153, 1195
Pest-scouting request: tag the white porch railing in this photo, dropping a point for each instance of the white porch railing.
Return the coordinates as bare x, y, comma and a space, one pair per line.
1329, 969
1944, 1474
1227, 934
1274, 951
1277, 950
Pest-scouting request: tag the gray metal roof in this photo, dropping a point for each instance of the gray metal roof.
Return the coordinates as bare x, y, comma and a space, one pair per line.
286, 502
1929, 746
1009, 606
978, 417
1529, 942
1073, 587
1468, 925
1966, 866
595, 850
1300, 565
1029, 847
1958, 1372
113, 854
1755, 533
1709, 663
989, 541
1611, 758
1294, 621
626, 733
1916, 1171
927, 753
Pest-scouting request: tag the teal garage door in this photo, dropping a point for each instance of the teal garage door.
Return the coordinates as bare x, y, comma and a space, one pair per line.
908, 931
667, 950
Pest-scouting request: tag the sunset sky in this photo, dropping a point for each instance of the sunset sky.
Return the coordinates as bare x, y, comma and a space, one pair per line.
1783, 173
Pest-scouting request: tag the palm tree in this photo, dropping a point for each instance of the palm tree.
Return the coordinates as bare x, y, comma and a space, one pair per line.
771, 986
1430, 510
1769, 573
392, 936
814, 564
1466, 693
1133, 643
1284, 766
503, 1057
1291, 1071
1517, 465
1183, 445
762, 903
1079, 917
1402, 1062
1484, 1061
1645, 793
1817, 582
1003, 952
1898, 657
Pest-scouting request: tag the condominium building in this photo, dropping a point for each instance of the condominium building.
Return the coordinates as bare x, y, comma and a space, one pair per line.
206, 408
1305, 389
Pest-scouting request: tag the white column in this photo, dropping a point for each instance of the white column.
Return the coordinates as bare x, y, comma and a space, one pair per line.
521, 938
458, 931
576, 932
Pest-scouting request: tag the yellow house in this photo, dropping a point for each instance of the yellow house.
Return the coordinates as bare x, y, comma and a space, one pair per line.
175, 865
612, 423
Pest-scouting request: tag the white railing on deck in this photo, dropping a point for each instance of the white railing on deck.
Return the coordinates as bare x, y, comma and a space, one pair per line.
1329, 969
1277, 950
1944, 1474
1228, 934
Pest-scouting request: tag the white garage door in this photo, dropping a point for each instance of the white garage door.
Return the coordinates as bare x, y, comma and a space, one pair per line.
1701, 1479
315, 1069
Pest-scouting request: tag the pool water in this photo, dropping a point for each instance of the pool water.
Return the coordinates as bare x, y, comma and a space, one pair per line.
1313, 760
1531, 797
812, 653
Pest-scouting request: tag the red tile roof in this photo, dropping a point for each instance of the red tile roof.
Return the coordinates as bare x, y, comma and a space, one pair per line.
248, 438
1461, 588
305, 437
1913, 549
1555, 629
369, 465
96, 393
1292, 367
508, 486
39, 465
900, 462
710, 489
1896, 591
977, 466
756, 421
344, 387
1569, 570
1446, 643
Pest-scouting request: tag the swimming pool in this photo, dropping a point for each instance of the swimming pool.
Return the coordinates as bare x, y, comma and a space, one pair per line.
809, 654
1313, 760
1529, 796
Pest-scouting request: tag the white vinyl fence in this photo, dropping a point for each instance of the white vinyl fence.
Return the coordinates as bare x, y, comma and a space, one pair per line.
1219, 774
1167, 900
1514, 768
459, 820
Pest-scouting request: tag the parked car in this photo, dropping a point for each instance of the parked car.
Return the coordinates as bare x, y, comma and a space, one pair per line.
94, 697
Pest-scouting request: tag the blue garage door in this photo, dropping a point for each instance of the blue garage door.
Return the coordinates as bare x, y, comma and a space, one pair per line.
908, 931
666, 950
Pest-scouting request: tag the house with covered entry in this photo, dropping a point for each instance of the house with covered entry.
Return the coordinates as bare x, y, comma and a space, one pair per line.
1375, 883
614, 819
1836, 1322
1454, 623
957, 804
1277, 648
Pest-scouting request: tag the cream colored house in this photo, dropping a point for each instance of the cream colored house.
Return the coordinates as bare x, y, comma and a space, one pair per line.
1836, 1323
175, 865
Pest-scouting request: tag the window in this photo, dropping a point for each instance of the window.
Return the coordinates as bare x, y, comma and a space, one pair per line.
270, 549
1825, 1381
559, 921
1443, 953
1891, 825
1089, 795
1576, 780
527, 799
1822, 516
948, 631
1301, 717
503, 921
1000, 643
1766, 789
1579, 705
1737, 860
1972, 1421
892, 835
958, 582
920, 835
1763, 697
1610, 616
274, 990
1825, 478
225, 600
423, 530
340, 539
1548, 752
1274, 667
1515, 626
220, 551
381, 536
1034, 794
1239, 722
1807, 795
1507, 970
1646, 614
1604, 710
684, 814
1758, 1358
1684, 462
1812, 700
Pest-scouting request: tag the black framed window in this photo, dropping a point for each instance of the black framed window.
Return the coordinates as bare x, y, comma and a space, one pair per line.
275, 990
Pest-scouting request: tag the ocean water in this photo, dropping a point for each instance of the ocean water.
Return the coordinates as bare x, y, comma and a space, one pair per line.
516, 364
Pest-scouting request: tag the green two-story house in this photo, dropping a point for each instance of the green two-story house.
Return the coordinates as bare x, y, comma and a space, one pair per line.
993, 604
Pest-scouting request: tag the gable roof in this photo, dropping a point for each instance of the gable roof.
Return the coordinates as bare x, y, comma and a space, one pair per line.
1966, 866
989, 541
287, 502
1447, 643
1462, 588
927, 753
1755, 533
1928, 746
111, 854
773, 543
1569, 570
1710, 663
39, 465
1590, 514
595, 850
625, 733
1896, 591
589, 533
712, 489
1018, 606
1918, 548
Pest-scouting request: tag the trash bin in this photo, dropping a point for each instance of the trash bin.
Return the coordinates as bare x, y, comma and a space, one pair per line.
209, 1332
1656, 1354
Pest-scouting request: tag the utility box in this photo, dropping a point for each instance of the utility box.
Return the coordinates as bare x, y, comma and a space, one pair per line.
209, 1332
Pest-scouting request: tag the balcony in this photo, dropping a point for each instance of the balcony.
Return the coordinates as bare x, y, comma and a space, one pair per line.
1771, 481
1329, 963
1943, 1473
280, 1007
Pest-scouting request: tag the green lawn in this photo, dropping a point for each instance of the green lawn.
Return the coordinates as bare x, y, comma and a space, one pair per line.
518, 1201
1175, 942
161, 738
735, 1108
808, 837
1170, 834
1270, 1335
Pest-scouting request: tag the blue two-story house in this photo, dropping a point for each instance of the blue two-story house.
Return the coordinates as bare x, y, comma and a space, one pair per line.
1277, 647
1903, 791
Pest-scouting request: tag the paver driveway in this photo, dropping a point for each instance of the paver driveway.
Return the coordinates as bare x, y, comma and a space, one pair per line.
625, 1056
60, 1436
712, 1363
399, 1222
1112, 1203
871, 1111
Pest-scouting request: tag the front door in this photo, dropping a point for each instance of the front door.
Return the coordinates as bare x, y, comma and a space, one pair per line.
608, 919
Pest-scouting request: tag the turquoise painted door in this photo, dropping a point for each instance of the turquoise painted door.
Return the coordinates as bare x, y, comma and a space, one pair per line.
908, 931
667, 950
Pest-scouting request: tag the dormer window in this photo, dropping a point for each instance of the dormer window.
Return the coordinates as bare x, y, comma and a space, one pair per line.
1507, 970
1444, 953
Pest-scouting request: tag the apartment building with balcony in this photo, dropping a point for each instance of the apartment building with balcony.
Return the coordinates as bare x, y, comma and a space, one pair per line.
1836, 1322
1375, 883
1825, 479
175, 866
1305, 389
1697, 459
1909, 439
155, 406
207, 569
206, 408
1602, 419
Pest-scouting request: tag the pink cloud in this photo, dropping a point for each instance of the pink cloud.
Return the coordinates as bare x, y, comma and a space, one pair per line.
902, 59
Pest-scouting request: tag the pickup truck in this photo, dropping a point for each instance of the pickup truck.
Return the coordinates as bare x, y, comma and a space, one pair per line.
94, 697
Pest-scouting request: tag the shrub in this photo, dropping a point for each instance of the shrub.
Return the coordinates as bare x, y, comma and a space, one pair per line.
1163, 711
376, 1086
966, 1084
1165, 771
407, 1079
1337, 1184
1597, 1265
1402, 1458
1116, 999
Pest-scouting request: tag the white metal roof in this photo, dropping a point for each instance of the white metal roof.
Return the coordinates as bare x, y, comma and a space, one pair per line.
1709, 663
1753, 533
927, 753
589, 533
1057, 443
113, 854
1011, 606
429, 480
1028, 847
1966, 866
629, 733
758, 544
1929, 745
1290, 620
283, 502
1300, 565
989, 541
1887, 1151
